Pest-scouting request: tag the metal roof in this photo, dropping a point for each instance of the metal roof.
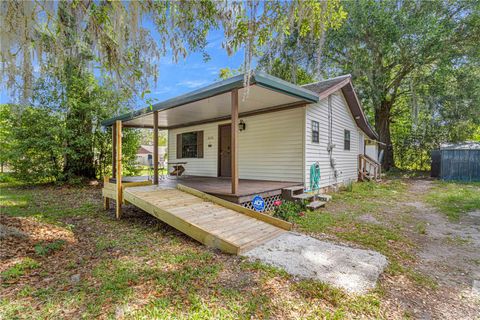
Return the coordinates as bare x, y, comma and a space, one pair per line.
467, 145
258, 78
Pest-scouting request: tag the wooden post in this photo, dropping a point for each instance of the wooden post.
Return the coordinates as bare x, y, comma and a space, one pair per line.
106, 201
118, 211
234, 141
114, 150
155, 147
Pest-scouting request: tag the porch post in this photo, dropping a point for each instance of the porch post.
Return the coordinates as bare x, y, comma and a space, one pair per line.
114, 150
118, 207
234, 141
155, 147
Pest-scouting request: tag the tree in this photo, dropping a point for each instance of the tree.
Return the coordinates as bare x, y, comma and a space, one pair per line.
38, 140
294, 60
443, 106
278, 68
112, 36
6, 127
384, 44
80, 105
35, 152
292, 73
66, 39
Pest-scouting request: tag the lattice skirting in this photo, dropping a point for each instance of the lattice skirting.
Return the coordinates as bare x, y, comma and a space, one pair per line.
269, 206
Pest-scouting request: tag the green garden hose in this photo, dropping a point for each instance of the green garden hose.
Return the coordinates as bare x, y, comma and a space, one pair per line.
314, 176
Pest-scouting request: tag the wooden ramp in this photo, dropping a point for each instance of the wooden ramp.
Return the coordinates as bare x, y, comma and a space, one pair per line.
212, 221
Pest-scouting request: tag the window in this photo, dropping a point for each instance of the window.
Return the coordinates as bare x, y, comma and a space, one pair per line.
190, 145
315, 132
346, 140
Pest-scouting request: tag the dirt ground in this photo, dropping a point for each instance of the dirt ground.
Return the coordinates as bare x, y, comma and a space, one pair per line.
449, 252
126, 269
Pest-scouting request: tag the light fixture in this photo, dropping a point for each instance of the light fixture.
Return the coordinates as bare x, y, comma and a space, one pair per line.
241, 125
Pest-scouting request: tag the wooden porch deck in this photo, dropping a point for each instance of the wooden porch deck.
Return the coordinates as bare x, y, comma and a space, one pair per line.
220, 187
212, 221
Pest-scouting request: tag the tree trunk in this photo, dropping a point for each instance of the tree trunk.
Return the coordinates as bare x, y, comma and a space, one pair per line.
382, 126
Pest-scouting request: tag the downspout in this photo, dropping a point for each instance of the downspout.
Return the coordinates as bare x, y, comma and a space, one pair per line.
304, 149
330, 144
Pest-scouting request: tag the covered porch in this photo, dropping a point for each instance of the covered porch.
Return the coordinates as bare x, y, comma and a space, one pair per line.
226, 101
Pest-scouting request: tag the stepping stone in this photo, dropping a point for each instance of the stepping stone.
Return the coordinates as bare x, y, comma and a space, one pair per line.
324, 197
315, 205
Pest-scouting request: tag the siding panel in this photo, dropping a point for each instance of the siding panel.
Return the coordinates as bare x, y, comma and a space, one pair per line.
346, 160
271, 147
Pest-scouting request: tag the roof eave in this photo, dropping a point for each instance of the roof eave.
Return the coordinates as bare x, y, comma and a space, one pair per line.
362, 113
209, 91
236, 82
276, 84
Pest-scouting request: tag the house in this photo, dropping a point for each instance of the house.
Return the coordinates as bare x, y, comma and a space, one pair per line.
145, 155
236, 141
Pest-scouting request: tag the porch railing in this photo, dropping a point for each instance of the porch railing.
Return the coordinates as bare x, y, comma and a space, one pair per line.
368, 169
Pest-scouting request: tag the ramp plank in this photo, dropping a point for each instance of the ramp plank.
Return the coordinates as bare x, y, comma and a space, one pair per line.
210, 223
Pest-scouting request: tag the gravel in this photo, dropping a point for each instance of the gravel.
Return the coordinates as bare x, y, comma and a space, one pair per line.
355, 270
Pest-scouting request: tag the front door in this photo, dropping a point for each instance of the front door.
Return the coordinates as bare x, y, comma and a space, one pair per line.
224, 150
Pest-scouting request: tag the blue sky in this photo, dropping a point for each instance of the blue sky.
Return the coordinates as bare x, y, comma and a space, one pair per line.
187, 75
193, 72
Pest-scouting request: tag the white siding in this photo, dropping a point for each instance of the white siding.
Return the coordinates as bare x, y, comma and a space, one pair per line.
346, 160
206, 166
361, 142
371, 150
271, 147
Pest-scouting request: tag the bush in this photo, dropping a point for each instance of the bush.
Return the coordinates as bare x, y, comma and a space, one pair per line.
35, 152
288, 210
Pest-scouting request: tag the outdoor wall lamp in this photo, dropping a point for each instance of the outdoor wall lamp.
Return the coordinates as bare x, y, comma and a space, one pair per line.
241, 125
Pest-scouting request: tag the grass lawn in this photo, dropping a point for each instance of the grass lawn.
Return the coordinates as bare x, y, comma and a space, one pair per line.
77, 261
454, 199
146, 171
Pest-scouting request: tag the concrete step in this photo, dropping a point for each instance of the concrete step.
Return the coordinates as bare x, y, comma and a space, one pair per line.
303, 196
324, 197
294, 188
315, 205
289, 192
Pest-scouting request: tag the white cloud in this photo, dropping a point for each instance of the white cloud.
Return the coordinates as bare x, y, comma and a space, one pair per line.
193, 83
163, 90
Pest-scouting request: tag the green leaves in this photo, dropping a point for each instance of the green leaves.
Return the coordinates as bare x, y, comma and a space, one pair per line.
114, 37
60, 137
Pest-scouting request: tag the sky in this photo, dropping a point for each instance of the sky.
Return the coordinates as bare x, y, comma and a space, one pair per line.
186, 75
192, 73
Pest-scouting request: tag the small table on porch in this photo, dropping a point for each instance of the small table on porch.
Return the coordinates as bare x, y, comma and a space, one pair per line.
177, 167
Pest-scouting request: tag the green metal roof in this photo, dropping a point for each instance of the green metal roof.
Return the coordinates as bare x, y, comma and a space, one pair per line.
258, 78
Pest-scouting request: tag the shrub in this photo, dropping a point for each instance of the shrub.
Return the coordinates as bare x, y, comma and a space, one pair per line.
288, 210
